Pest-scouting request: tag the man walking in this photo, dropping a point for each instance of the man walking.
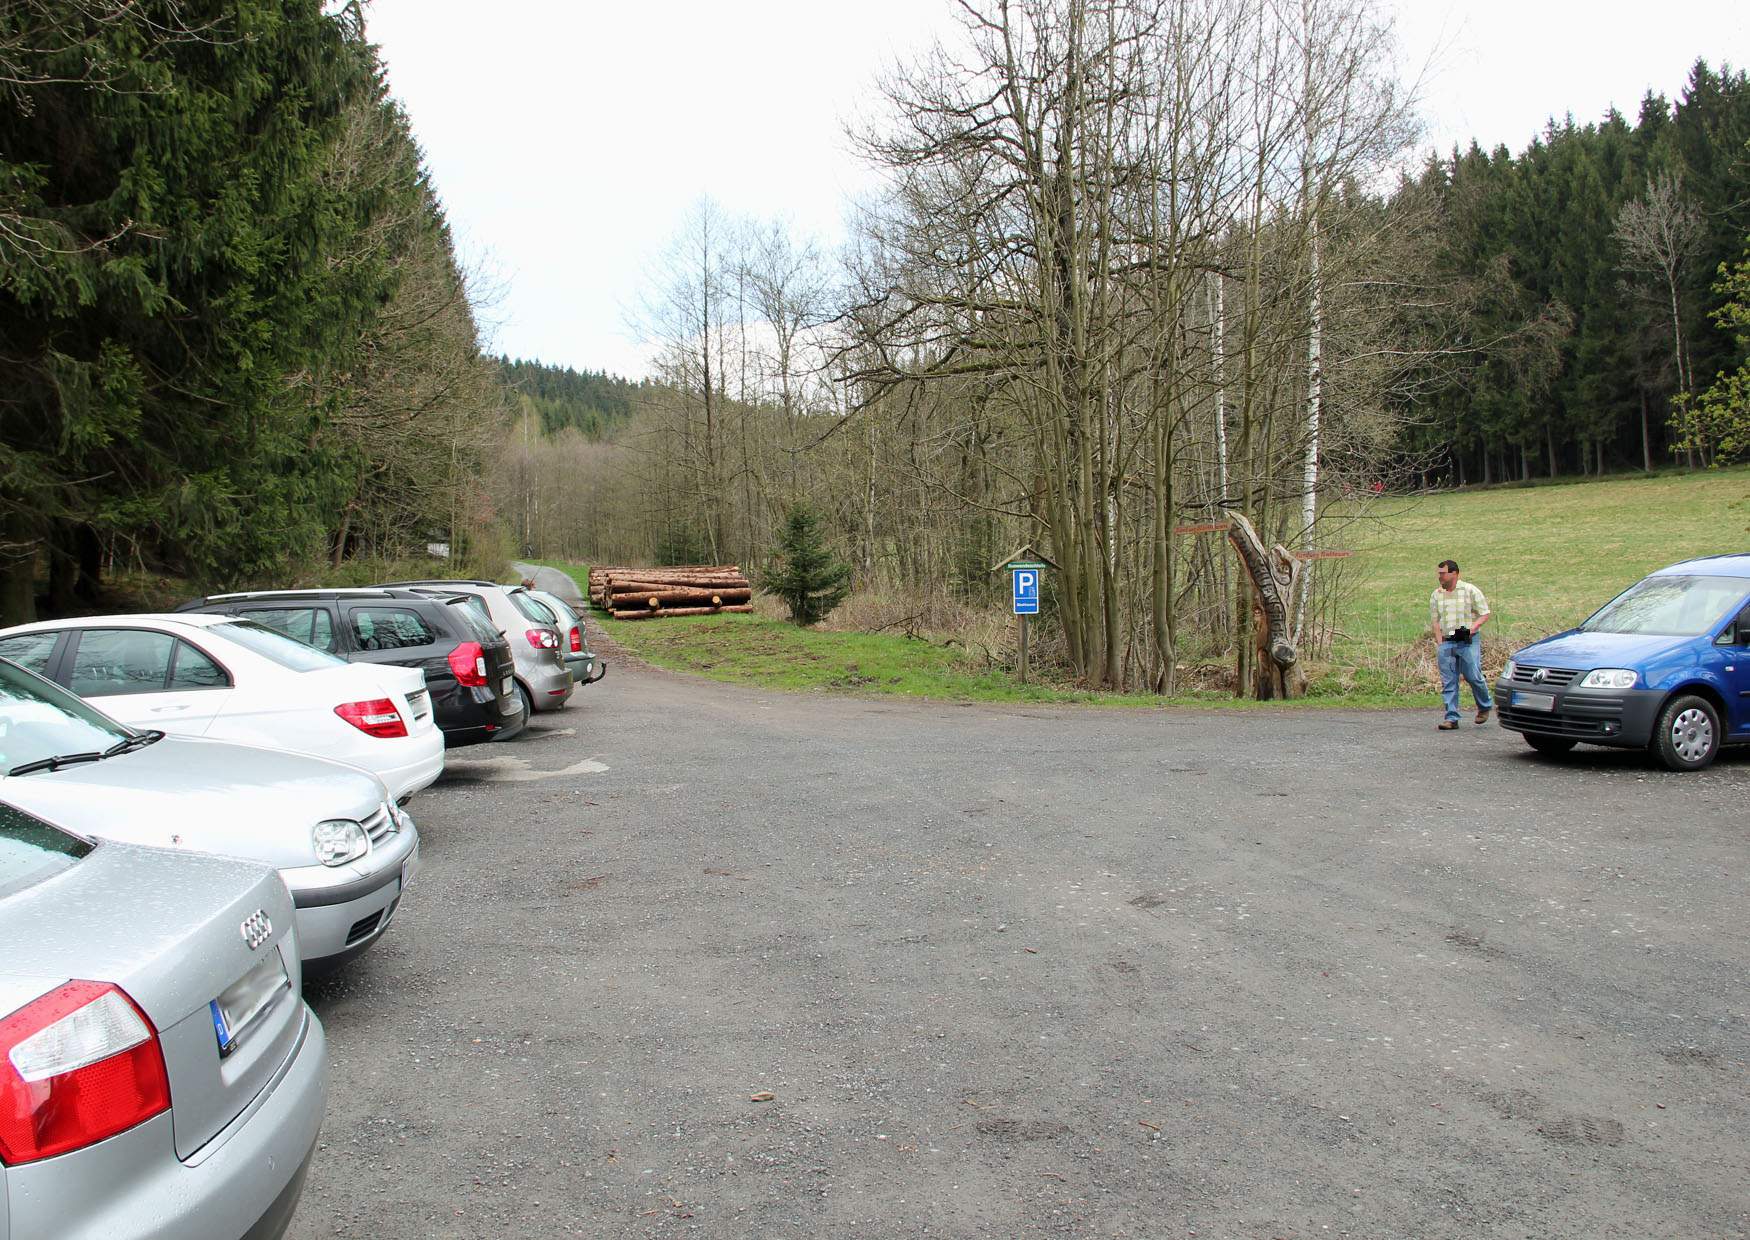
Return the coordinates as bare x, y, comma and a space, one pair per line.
1458, 612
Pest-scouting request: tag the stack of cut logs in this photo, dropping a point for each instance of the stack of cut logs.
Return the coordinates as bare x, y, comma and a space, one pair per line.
689, 590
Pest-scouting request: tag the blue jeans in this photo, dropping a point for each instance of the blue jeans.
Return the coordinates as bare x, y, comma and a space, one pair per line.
1463, 659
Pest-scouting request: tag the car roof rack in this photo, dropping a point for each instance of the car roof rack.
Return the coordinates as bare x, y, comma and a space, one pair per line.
444, 581
314, 593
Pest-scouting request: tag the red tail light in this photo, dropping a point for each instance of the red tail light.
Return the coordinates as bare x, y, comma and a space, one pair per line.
576, 641
78, 1065
468, 662
543, 639
377, 717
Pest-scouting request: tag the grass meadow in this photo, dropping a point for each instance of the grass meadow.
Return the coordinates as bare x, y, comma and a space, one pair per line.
1546, 556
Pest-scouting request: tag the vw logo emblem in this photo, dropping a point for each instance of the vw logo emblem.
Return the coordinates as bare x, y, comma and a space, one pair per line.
257, 929
1540, 675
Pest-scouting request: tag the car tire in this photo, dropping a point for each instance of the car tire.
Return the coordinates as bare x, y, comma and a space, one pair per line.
1550, 746
1687, 736
527, 700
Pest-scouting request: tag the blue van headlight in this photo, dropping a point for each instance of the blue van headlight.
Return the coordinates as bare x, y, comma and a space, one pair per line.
1609, 678
1510, 671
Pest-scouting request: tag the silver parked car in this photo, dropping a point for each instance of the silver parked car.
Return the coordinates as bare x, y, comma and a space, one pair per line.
586, 669
345, 851
543, 680
159, 1073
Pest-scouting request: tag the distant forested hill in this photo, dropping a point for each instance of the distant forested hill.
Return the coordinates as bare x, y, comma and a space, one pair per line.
1592, 269
589, 401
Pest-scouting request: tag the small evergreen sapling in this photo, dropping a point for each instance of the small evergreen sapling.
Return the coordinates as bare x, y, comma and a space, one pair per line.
805, 574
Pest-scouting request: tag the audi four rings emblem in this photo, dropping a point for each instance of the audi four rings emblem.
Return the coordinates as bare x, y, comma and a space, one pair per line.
257, 929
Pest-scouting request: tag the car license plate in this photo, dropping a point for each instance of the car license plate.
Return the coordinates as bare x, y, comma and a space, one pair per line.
1533, 701
247, 998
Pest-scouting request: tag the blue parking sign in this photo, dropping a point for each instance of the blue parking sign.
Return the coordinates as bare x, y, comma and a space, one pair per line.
1026, 590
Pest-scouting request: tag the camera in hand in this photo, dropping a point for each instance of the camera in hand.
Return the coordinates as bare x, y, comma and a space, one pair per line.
1461, 634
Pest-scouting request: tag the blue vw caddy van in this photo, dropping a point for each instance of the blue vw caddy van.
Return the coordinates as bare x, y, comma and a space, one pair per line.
1665, 665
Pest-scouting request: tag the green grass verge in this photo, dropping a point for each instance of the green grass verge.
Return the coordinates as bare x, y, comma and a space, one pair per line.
1546, 556
751, 650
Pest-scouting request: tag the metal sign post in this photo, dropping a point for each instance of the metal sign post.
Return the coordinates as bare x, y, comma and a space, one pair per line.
1026, 568
1025, 577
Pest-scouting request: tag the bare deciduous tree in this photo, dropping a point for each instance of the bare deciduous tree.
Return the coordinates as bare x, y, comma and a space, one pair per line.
1065, 183
1660, 234
1127, 268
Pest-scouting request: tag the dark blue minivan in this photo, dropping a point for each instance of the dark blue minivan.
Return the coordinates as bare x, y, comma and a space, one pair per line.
1665, 665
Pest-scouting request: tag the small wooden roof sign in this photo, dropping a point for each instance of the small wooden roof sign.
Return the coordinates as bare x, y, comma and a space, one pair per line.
1023, 556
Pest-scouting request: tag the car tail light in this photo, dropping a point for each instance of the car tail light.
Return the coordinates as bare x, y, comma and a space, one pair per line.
468, 662
377, 717
77, 1065
576, 641
543, 639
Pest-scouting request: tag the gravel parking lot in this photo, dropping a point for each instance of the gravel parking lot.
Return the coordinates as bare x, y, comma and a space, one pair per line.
693, 959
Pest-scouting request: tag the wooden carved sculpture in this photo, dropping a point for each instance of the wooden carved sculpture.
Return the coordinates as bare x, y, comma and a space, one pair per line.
1273, 575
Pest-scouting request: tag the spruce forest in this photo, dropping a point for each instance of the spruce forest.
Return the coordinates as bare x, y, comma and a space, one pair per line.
1137, 267
235, 339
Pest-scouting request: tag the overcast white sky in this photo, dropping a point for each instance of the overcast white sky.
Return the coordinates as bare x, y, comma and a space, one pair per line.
569, 139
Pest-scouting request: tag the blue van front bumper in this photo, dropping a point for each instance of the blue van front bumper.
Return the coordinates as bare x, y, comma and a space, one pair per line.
1623, 717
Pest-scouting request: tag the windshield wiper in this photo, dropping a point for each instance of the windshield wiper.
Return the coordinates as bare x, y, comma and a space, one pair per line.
137, 741
126, 745
56, 763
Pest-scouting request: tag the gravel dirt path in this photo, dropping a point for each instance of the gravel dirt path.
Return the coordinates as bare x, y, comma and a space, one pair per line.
693, 959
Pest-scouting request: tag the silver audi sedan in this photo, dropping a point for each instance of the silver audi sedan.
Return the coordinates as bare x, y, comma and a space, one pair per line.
159, 1074
343, 848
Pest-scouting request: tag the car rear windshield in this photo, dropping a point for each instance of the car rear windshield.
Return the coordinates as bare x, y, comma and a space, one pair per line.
31, 850
533, 608
558, 606
480, 608
1674, 606
286, 651
473, 623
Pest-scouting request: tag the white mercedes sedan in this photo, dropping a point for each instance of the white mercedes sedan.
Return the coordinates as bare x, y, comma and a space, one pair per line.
230, 679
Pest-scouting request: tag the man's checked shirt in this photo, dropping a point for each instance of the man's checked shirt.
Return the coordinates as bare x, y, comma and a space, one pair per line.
1459, 608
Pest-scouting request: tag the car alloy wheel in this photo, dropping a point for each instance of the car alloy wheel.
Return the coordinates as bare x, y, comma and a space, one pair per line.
1692, 735
1688, 736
